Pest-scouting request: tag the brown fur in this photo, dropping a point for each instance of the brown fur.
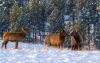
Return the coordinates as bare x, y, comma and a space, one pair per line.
55, 39
13, 36
73, 43
78, 38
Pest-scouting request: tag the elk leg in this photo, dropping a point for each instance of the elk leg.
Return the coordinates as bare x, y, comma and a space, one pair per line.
77, 47
80, 47
4, 44
57, 45
61, 46
72, 47
16, 45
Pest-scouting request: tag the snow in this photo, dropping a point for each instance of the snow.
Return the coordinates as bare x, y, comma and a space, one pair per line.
37, 53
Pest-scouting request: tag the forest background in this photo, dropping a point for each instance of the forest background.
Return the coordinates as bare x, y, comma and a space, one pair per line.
51, 16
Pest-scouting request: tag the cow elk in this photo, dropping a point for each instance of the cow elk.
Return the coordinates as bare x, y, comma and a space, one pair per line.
14, 37
56, 39
76, 40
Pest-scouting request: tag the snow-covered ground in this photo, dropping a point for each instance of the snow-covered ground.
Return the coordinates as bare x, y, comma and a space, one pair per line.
37, 53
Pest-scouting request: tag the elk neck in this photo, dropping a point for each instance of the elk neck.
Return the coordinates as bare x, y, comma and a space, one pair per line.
23, 33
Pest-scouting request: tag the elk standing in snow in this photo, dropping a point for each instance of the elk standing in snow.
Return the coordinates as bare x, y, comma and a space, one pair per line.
14, 37
56, 39
76, 37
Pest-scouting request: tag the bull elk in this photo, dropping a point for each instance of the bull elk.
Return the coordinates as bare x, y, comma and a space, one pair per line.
14, 37
55, 39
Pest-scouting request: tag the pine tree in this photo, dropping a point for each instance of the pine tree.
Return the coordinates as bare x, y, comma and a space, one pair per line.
15, 15
37, 17
56, 16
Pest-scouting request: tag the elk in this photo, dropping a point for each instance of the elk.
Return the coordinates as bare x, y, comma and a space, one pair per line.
78, 39
14, 37
56, 39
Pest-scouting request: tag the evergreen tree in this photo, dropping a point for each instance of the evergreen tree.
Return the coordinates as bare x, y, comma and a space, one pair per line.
15, 15
56, 16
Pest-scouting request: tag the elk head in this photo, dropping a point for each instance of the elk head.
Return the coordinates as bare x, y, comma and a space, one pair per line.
25, 30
